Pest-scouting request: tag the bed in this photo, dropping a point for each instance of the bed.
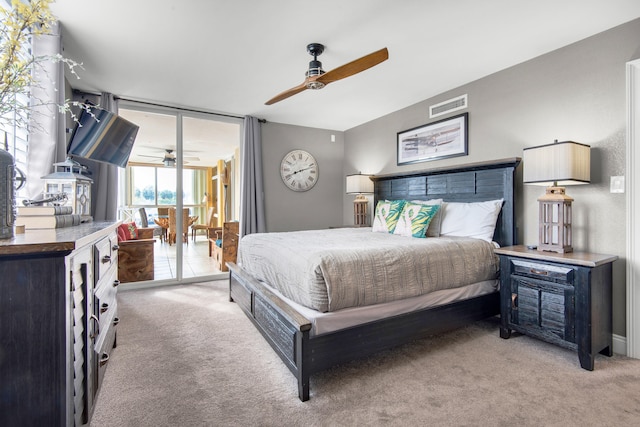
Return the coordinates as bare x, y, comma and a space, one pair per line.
299, 332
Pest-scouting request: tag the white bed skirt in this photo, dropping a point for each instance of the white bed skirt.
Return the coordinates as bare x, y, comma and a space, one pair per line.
323, 323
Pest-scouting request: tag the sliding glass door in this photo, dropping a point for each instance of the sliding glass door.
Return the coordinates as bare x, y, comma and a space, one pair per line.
171, 181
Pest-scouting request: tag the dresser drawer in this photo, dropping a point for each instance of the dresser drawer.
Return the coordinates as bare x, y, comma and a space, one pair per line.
104, 299
542, 271
102, 351
105, 255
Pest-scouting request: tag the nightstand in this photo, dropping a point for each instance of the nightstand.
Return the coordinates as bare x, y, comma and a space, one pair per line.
564, 299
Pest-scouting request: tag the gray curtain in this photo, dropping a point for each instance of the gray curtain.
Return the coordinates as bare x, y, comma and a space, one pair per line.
47, 142
105, 181
104, 191
252, 218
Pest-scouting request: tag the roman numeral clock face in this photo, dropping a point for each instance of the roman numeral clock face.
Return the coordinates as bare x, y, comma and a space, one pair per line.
299, 170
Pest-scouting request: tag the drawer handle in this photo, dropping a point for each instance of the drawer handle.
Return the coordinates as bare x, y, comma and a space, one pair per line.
96, 325
514, 301
104, 359
106, 259
115, 247
116, 320
116, 283
104, 307
539, 272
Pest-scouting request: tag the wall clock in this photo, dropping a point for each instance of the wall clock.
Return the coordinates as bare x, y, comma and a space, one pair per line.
299, 170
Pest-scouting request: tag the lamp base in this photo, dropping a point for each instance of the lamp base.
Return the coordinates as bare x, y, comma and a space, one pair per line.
555, 234
360, 217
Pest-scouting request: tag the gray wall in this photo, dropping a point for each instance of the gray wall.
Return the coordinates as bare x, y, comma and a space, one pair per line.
575, 93
320, 207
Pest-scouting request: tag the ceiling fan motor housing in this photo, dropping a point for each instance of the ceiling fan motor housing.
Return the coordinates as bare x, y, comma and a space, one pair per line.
315, 66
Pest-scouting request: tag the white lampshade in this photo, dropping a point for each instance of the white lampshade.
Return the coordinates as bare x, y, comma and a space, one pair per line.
359, 184
557, 164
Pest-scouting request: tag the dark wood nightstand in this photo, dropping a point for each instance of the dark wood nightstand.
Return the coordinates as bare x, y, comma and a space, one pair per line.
564, 299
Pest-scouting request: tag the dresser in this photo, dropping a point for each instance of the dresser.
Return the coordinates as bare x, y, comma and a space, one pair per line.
58, 317
564, 299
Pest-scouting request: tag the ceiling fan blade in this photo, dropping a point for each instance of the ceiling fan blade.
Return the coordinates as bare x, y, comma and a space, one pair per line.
354, 67
287, 93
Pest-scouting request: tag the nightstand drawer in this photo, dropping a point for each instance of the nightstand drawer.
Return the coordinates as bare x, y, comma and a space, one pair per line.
542, 271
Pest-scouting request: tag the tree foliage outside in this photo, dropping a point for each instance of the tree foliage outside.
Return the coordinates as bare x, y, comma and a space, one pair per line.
167, 197
148, 194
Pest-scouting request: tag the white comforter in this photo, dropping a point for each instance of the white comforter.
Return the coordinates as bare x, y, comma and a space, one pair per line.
328, 270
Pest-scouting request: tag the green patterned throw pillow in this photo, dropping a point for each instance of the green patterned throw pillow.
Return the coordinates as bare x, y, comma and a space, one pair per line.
386, 215
414, 219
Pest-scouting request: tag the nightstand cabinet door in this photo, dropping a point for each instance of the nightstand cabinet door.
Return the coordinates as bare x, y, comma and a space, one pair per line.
546, 307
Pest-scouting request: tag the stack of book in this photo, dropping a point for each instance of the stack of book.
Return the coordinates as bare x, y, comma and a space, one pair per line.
43, 217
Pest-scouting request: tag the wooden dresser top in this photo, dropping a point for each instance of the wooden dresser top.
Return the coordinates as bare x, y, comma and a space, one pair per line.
64, 239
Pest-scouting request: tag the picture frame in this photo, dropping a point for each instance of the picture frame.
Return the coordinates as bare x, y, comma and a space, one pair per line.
434, 141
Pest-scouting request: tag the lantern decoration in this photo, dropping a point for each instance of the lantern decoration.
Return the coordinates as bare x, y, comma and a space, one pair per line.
68, 178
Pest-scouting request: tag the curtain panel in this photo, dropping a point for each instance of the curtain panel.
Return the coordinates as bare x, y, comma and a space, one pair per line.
252, 215
47, 136
104, 193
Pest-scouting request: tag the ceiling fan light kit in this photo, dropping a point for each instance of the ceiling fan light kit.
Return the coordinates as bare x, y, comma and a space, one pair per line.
169, 159
315, 85
317, 78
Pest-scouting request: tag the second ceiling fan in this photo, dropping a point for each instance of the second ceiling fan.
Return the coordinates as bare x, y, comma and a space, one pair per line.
169, 158
317, 78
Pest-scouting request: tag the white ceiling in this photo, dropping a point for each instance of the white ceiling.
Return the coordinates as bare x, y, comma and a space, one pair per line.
232, 56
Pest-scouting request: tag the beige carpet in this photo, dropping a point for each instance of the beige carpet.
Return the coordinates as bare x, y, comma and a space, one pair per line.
186, 356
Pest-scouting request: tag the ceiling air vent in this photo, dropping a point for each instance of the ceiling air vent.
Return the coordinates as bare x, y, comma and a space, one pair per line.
455, 104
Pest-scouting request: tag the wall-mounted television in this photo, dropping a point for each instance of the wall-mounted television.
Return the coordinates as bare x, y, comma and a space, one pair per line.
104, 137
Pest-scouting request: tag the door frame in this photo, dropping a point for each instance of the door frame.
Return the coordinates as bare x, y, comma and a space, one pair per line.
633, 209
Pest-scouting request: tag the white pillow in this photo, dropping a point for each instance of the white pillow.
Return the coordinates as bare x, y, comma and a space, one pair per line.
434, 225
477, 219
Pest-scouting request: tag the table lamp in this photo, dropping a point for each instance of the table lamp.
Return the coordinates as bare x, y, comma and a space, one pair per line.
360, 184
555, 166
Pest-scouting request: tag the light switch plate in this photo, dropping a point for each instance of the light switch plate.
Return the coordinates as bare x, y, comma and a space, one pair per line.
617, 184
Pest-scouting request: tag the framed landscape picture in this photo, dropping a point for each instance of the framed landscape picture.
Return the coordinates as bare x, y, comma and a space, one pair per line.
434, 141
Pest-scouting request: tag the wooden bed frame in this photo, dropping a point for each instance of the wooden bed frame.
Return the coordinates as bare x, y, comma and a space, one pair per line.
288, 332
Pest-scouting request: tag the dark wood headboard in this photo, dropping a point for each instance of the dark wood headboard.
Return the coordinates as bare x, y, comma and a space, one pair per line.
475, 182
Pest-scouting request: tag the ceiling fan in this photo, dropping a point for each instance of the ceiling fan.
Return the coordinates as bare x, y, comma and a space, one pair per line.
169, 159
317, 78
